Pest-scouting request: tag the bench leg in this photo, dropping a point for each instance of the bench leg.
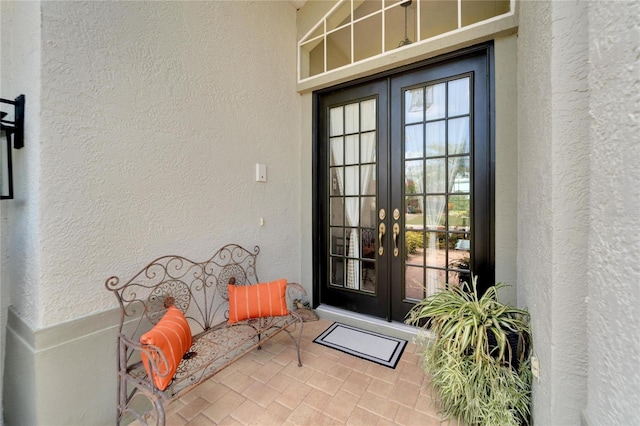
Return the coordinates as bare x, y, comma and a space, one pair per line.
297, 341
128, 407
160, 420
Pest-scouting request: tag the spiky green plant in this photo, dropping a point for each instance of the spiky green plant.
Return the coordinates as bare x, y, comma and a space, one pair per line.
473, 370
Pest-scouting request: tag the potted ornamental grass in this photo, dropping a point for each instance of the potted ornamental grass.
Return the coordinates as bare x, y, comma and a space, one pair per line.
477, 354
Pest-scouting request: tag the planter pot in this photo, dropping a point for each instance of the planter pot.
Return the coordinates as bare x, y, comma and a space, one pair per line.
513, 339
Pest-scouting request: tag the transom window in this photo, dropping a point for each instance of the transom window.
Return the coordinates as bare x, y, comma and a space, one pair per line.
355, 30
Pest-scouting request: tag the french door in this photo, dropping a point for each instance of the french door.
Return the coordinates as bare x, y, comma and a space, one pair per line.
404, 185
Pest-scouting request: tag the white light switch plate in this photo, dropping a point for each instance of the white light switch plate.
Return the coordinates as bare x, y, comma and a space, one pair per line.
261, 172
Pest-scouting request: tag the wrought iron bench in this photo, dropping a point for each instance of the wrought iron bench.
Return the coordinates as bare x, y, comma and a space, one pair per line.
199, 290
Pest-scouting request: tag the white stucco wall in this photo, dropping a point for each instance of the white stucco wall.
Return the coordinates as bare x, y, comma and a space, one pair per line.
154, 115
573, 165
20, 235
144, 124
570, 212
553, 197
614, 258
534, 184
19, 240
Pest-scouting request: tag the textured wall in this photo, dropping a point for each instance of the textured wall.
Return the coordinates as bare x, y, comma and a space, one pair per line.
506, 160
19, 74
534, 186
570, 209
144, 124
578, 208
153, 117
614, 267
553, 199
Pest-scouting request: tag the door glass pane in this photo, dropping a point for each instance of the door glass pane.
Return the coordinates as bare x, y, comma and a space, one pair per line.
413, 141
368, 147
352, 205
459, 174
337, 211
413, 105
458, 97
368, 179
337, 181
368, 112
413, 177
434, 211
435, 138
458, 136
354, 271
368, 211
351, 149
435, 101
435, 278
368, 247
368, 276
414, 268
337, 241
414, 217
459, 277
459, 247
435, 175
336, 124
459, 212
337, 151
435, 254
414, 283
352, 180
337, 271
352, 118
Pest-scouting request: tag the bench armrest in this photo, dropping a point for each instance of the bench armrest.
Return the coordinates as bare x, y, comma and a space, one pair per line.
295, 291
155, 356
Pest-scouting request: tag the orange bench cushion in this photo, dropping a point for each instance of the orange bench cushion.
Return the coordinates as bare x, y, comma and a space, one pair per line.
172, 336
258, 300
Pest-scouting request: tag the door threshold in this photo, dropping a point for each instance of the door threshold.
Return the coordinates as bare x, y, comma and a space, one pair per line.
367, 322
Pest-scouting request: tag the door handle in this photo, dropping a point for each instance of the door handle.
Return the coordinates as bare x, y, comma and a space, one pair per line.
381, 230
396, 232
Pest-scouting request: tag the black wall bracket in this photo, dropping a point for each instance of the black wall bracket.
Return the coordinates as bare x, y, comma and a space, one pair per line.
10, 128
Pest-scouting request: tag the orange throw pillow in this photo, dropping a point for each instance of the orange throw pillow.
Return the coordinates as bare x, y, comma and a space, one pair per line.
258, 300
172, 336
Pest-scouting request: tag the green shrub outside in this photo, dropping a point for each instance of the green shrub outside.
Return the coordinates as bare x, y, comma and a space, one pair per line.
414, 240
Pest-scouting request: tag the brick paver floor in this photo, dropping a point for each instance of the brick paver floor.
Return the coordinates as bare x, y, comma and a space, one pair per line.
267, 387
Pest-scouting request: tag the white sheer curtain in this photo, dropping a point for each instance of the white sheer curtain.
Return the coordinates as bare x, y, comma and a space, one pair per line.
349, 177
